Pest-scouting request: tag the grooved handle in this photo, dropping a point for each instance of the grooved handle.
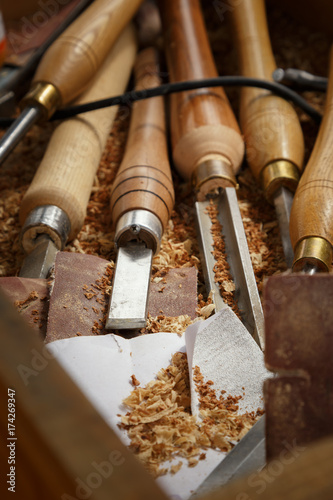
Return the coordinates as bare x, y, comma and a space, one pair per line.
312, 210
73, 59
270, 124
203, 125
66, 174
144, 178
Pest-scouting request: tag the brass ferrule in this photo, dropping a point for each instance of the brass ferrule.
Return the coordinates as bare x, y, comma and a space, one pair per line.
214, 173
280, 173
44, 95
314, 251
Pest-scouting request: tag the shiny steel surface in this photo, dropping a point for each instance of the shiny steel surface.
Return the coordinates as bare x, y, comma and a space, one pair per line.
18, 129
283, 200
48, 219
129, 299
139, 225
38, 263
248, 456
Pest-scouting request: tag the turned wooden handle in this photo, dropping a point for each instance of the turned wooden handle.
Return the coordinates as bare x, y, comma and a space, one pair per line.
144, 178
66, 174
73, 59
312, 210
270, 124
203, 125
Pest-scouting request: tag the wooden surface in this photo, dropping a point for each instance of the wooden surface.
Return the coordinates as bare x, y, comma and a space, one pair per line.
299, 349
71, 62
299, 474
144, 178
61, 439
312, 210
66, 174
203, 125
294, 46
270, 124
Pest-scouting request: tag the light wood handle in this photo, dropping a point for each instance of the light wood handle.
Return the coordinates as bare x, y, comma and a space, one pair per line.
203, 125
270, 124
312, 210
66, 174
71, 62
144, 178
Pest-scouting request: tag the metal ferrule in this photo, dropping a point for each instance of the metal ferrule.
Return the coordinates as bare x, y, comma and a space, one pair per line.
44, 95
212, 169
313, 254
139, 225
278, 174
46, 219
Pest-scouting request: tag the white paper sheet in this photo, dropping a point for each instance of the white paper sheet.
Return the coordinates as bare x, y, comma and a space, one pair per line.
102, 368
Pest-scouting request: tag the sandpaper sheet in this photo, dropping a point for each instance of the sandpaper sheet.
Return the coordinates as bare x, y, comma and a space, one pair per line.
79, 298
30, 296
76, 301
102, 368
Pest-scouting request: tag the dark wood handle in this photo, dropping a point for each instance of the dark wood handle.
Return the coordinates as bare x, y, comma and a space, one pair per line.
73, 59
270, 124
203, 125
144, 178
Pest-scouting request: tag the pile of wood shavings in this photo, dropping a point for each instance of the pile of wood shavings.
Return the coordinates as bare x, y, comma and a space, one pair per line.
161, 427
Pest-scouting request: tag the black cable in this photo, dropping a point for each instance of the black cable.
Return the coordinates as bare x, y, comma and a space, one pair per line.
169, 88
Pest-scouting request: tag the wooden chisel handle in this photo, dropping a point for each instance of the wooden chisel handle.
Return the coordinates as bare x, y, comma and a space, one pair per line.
73, 59
270, 125
311, 218
144, 179
66, 174
207, 145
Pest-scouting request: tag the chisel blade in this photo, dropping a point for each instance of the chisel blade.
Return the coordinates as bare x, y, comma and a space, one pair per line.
238, 258
129, 300
247, 457
283, 200
38, 263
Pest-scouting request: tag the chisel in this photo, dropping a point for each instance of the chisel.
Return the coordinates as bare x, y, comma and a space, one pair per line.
272, 132
142, 198
69, 64
54, 206
208, 149
16, 81
311, 218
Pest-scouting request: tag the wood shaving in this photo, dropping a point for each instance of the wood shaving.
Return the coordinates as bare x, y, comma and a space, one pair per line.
160, 425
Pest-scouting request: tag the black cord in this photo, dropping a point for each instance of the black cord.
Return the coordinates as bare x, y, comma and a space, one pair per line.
169, 88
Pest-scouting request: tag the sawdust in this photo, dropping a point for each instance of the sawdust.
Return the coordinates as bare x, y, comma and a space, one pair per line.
161, 427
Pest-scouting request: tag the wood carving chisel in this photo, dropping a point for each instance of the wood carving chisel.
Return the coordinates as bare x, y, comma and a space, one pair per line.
16, 81
142, 198
208, 149
54, 207
69, 64
311, 218
272, 132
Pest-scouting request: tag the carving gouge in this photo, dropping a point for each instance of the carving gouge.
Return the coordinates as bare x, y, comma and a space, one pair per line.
142, 198
69, 64
311, 218
207, 148
272, 132
54, 207
16, 82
